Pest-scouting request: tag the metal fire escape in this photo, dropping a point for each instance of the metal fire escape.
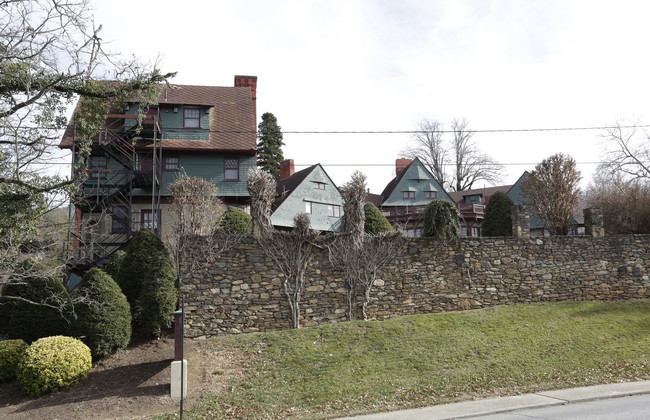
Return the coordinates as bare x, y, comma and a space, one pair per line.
102, 214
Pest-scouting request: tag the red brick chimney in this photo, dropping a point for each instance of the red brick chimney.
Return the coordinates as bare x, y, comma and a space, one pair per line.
286, 169
400, 165
249, 81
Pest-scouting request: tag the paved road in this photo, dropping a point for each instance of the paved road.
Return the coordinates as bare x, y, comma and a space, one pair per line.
636, 407
592, 400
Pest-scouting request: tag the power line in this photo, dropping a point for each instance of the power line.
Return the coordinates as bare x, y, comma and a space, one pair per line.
356, 164
502, 130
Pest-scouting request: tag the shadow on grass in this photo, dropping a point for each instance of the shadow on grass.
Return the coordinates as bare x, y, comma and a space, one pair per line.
144, 379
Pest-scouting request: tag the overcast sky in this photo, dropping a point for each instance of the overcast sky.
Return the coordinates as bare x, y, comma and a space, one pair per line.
386, 65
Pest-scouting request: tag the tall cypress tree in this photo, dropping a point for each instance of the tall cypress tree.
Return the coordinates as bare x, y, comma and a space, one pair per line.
269, 146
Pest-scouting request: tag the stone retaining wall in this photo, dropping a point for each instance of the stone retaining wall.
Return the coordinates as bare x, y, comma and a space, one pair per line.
241, 290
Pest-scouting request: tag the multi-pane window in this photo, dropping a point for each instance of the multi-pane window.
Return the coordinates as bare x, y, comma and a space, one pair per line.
319, 185
120, 219
409, 195
98, 166
171, 163
148, 221
191, 118
430, 194
231, 169
333, 211
308, 207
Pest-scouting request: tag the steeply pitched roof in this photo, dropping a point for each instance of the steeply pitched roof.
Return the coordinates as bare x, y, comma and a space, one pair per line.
421, 174
286, 186
232, 120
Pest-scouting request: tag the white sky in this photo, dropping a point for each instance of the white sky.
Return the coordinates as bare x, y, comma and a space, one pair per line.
385, 65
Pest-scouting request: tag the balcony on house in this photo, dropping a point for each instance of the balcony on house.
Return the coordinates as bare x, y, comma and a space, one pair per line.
471, 210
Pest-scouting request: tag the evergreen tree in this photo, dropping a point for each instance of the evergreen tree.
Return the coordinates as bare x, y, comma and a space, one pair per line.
269, 147
375, 221
147, 277
441, 220
497, 221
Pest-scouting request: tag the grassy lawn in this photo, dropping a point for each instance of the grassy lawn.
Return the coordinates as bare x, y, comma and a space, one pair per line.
360, 367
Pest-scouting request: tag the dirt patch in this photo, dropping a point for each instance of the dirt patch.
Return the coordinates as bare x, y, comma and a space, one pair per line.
131, 383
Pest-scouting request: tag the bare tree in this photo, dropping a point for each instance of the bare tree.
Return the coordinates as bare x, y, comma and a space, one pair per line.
359, 255
429, 146
467, 164
552, 192
347, 247
471, 164
627, 151
51, 52
625, 202
291, 251
197, 211
261, 187
377, 251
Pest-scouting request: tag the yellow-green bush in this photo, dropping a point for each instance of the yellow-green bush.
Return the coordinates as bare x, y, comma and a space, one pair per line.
53, 363
11, 353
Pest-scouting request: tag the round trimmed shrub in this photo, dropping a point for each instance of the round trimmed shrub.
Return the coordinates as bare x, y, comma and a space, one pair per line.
11, 353
103, 314
441, 220
46, 309
113, 266
53, 363
375, 221
498, 219
147, 278
236, 220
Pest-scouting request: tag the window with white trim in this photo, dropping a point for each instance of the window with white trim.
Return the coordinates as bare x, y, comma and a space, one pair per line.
191, 118
171, 163
231, 169
308, 207
333, 211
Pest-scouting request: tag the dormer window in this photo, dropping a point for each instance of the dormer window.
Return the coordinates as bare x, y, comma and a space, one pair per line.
475, 198
408, 195
430, 195
319, 185
191, 118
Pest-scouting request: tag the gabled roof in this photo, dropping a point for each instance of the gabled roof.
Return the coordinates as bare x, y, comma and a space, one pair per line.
286, 186
458, 196
232, 119
421, 174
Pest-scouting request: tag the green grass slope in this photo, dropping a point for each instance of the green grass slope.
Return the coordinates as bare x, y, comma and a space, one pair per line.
348, 368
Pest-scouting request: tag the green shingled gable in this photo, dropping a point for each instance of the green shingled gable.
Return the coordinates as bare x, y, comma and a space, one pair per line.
418, 180
306, 191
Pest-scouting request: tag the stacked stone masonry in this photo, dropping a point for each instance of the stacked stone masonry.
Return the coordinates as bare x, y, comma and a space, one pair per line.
241, 290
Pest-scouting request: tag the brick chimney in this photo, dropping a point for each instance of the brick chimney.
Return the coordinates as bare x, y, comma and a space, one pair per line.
400, 165
286, 169
251, 82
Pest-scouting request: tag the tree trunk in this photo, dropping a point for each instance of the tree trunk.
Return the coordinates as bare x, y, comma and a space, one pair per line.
365, 303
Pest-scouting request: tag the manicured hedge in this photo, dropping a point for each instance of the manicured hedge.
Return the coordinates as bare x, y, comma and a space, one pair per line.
147, 278
53, 363
236, 220
34, 305
11, 353
103, 314
375, 221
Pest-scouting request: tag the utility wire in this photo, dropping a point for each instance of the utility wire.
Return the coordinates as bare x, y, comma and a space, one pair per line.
503, 130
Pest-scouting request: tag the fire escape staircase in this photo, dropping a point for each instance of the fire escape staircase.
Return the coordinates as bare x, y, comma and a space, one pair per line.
108, 194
